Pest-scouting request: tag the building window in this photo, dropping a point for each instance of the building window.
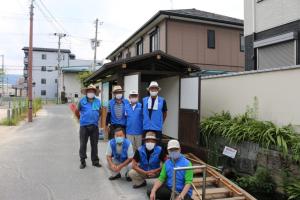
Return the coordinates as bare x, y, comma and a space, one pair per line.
242, 43
56, 80
26, 54
43, 92
154, 41
44, 56
211, 40
76, 95
120, 56
43, 81
44, 68
139, 48
128, 54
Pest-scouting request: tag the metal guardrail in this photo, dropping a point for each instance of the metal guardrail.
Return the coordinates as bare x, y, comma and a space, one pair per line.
203, 167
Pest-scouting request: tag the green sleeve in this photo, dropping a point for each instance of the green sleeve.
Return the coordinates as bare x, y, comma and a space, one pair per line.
163, 174
189, 175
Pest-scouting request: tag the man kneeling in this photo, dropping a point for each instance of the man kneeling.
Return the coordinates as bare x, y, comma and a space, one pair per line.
147, 161
163, 186
119, 154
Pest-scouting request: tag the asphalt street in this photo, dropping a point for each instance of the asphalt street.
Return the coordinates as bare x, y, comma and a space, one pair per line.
40, 161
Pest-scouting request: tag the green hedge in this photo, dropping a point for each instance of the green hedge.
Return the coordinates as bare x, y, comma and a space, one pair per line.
242, 128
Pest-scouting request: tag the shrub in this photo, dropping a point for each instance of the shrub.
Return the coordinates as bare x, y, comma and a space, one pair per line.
244, 128
261, 185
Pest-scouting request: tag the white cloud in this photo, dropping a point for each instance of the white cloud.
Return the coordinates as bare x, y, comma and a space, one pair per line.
120, 19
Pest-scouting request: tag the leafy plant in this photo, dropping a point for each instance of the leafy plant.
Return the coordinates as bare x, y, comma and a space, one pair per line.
293, 190
260, 185
242, 128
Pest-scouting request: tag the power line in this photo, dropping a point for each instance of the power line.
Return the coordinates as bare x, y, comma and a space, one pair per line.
57, 22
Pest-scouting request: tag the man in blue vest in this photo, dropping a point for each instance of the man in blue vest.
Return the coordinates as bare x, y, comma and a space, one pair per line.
116, 111
134, 120
89, 109
147, 161
162, 188
154, 111
119, 154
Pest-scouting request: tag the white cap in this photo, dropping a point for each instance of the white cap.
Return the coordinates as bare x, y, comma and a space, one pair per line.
133, 92
153, 84
172, 144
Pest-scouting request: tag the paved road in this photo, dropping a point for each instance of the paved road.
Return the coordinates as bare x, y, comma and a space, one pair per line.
40, 161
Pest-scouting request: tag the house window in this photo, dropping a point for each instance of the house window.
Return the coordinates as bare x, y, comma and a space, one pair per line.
120, 56
44, 68
44, 56
242, 43
128, 55
139, 48
43, 92
154, 41
43, 81
211, 40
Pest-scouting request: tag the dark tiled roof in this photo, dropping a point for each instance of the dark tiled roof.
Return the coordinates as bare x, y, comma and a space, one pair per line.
194, 13
46, 49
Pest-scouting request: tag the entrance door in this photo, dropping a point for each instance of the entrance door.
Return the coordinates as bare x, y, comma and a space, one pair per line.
189, 110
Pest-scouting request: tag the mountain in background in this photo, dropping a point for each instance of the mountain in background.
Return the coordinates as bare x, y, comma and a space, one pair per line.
11, 78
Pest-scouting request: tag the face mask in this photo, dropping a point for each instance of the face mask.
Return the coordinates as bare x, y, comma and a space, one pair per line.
119, 96
133, 100
90, 95
153, 93
119, 140
174, 155
150, 146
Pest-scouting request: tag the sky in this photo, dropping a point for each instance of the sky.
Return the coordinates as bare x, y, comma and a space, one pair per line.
119, 19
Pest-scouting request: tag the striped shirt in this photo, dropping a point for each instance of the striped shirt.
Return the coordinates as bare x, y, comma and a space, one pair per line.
118, 108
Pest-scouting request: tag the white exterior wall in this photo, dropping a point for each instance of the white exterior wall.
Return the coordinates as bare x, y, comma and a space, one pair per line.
50, 62
269, 14
277, 93
72, 85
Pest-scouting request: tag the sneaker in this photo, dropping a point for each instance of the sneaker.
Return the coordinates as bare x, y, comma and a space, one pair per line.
128, 179
141, 185
82, 165
115, 177
97, 165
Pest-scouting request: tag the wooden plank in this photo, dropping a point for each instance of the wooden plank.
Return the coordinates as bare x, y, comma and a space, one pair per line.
220, 190
233, 198
199, 181
237, 191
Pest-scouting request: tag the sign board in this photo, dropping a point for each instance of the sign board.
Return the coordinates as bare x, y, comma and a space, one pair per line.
230, 152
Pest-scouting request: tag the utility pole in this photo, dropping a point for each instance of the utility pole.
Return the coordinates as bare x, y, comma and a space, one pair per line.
2, 74
29, 84
95, 44
59, 82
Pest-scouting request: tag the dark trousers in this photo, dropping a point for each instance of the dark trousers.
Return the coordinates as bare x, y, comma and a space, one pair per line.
164, 193
86, 132
112, 128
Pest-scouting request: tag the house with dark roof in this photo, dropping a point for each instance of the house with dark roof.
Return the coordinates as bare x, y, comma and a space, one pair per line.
211, 41
173, 48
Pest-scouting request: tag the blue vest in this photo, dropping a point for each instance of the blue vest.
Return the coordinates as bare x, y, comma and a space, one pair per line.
154, 161
156, 121
121, 157
180, 175
134, 121
113, 118
89, 111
